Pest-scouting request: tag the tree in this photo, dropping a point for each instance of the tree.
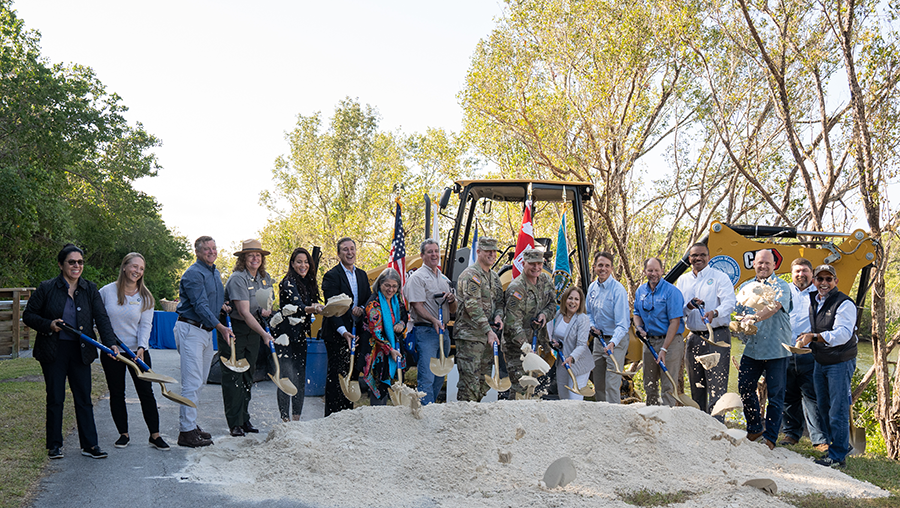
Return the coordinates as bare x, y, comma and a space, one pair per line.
67, 162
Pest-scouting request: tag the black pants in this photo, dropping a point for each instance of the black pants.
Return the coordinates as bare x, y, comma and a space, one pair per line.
292, 360
338, 363
236, 385
708, 385
115, 380
68, 364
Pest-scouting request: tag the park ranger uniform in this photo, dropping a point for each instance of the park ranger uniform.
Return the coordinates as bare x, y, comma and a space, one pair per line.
525, 302
480, 302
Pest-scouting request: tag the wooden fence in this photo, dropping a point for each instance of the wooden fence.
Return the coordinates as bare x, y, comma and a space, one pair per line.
14, 335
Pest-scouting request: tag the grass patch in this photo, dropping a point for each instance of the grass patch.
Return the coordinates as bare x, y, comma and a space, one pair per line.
646, 497
23, 451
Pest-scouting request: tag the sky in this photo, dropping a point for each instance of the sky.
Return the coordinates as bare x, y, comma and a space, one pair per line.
221, 82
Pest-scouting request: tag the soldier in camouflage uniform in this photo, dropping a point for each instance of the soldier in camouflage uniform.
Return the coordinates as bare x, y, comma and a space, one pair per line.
530, 297
480, 303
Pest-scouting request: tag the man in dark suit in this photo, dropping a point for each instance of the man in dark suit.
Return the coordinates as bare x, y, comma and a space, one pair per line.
337, 331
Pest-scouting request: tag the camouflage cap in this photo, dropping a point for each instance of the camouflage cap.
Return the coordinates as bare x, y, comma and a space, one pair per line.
487, 243
533, 256
824, 268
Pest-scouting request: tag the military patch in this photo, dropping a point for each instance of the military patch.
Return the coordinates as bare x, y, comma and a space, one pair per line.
517, 295
475, 279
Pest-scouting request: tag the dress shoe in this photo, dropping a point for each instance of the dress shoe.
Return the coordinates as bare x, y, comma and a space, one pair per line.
192, 439
249, 428
55, 453
788, 441
204, 435
770, 444
753, 436
237, 431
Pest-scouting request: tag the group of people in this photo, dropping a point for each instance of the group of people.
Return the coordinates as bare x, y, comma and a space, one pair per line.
588, 331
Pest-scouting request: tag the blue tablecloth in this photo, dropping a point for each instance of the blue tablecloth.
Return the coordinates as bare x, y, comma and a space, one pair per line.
162, 335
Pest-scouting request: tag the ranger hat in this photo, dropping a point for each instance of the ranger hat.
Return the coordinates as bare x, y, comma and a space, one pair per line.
533, 256
487, 243
824, 268
251, 245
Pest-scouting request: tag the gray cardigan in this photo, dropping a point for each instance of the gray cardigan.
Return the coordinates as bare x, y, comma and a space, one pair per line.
575, 343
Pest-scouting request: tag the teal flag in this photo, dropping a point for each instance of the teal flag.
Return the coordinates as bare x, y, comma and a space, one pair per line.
562, 273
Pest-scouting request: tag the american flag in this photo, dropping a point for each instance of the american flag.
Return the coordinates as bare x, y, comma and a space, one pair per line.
398, 247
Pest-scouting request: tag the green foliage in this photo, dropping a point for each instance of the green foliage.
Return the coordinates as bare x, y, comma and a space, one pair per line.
68, 159
864, 411
646, 497
341, 179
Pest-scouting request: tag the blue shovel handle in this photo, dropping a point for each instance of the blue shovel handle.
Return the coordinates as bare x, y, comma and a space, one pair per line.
130, 354
702, 314
353, 344
71, 329
653, 352
228, 321
496, 351
271, 346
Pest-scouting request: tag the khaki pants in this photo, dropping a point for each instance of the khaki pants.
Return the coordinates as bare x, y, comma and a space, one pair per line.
653, 373
607, 383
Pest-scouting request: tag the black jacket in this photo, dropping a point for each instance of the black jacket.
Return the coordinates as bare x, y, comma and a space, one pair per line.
334, 283
47, 303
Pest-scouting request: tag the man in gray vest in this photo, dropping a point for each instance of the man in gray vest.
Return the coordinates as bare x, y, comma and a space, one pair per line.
832, 338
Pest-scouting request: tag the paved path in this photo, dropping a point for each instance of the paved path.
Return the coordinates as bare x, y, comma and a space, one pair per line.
142, 476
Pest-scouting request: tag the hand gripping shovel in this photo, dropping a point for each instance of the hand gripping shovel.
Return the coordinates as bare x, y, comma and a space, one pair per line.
140, 374
684, 399
618, 370
441, 366
396, 390
174, 397
241, 365
284, 384
348, 386
710, 330
501, 385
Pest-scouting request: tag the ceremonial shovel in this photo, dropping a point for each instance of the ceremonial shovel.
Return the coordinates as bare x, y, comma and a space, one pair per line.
443, 365
587, 391
174, 397
241, 365
157, 378
501, 385
615, 362
710, 330
349, 387
684, 399
283, 383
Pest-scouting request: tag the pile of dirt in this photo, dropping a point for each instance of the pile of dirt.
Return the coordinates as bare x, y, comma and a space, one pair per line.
495, 454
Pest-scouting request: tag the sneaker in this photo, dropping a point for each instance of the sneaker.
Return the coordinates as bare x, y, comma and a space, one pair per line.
94, 453
192, 439
122, 442
55, 453
159, 443
204, 435
829, 462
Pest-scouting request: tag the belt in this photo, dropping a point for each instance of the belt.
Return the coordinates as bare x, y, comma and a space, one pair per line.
195, 323
656, 336
705, 333
424, 323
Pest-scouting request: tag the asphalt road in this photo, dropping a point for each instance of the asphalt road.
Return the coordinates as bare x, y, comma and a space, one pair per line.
140, 475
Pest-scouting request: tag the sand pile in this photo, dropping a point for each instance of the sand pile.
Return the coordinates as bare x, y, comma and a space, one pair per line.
488, 455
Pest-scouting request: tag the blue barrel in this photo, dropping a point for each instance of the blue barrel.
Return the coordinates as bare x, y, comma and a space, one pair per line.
316, 367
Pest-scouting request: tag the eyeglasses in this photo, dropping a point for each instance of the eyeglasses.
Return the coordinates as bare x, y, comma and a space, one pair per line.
644, 302
390, 286
824, 279
74, 262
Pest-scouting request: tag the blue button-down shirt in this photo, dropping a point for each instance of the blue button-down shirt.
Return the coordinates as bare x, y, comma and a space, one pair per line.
657, 307
607, 304
201, 294
775, 331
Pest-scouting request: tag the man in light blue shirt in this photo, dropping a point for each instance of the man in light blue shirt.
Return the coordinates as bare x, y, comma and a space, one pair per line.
658, 309
765, 351
607, 305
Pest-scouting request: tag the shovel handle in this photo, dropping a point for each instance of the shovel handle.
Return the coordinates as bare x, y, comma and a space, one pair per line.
655, 356
496, 351
130, 354
228, 321
71, 329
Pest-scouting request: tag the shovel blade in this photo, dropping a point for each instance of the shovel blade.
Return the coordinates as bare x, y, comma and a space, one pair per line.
350, 388
441, 366
156, 378
174, 397
284, 384
235, 367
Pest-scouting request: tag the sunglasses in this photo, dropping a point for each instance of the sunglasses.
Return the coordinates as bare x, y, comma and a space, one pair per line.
74, 262
824, 279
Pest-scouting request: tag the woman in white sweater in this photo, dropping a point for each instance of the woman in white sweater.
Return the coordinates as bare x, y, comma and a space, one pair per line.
571, 328
130, 307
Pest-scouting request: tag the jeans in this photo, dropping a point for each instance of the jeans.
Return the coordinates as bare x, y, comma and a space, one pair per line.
833, 398
195, 347
800, 400
748, 376
427, 347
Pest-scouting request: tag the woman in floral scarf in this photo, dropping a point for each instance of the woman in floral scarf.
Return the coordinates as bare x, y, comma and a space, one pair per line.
385, 324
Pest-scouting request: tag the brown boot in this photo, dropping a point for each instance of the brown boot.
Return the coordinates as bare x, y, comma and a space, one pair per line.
753, 436
204, 435
192, 439
770, 444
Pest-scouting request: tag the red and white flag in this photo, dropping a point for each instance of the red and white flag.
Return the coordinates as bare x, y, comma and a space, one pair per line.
524, 241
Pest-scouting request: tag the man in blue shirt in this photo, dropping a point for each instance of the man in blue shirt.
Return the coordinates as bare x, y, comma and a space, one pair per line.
765, 351
658, 308
607, 305
201, 297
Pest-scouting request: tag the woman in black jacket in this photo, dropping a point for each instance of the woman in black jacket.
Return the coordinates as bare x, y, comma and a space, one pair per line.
68, 298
